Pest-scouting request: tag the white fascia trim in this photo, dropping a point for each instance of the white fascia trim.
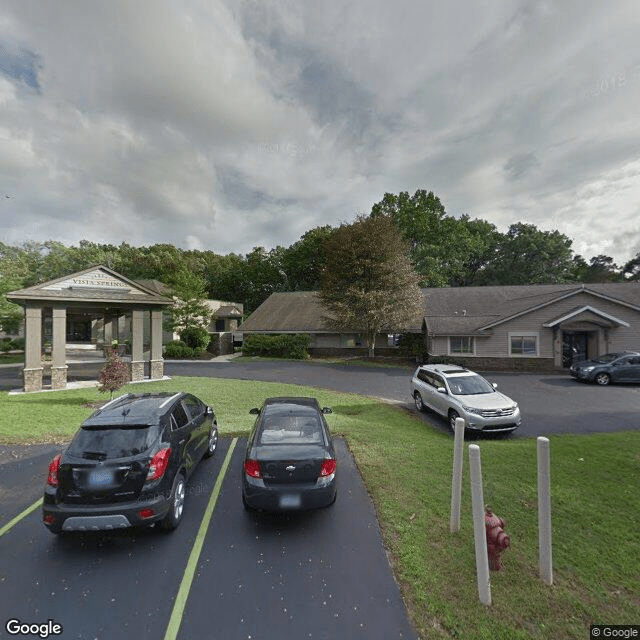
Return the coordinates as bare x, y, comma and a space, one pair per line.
593, 310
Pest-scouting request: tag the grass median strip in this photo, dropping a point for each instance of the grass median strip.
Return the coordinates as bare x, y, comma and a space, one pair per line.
23, 514
194, 556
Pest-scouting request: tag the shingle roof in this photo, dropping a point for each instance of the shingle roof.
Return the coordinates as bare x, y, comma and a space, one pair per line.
95, 284
448, 310
291, 311
473, 309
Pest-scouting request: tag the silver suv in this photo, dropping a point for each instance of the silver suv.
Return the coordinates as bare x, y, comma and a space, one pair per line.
454, 391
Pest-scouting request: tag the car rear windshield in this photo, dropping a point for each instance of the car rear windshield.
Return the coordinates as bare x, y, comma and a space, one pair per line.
112, 442
469, 385
288, 427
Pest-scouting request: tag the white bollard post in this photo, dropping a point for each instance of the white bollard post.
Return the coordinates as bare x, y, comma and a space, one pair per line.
544, 511
479, 534
456, 480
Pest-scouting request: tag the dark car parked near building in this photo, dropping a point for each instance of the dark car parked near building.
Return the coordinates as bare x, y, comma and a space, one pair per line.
290, 462
611, 367
129, 463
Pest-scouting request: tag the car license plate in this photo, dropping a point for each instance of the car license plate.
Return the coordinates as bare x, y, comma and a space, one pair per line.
290, 501
101, 478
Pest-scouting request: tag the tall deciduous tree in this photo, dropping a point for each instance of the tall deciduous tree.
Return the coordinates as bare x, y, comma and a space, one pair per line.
445, 251
368, 283
631, 270
527, 255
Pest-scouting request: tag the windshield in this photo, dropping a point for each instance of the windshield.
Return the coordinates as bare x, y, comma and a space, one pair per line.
469, 386
608, 357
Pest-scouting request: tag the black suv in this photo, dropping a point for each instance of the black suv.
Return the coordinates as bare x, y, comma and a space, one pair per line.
611, 367
129, 463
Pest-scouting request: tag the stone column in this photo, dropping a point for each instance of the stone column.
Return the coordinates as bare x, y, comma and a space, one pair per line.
137, 343
110, 331
156, 362
32, 372
58, 349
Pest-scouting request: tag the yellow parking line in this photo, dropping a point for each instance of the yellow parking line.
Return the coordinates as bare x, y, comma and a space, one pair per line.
19, 517
194, 556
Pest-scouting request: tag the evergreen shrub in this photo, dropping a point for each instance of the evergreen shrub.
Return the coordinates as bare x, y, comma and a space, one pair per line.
294, 346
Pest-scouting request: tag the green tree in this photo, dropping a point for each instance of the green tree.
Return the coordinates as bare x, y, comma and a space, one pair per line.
304, 260
599, 269
445, 251
189, 309
631, 270
368, 283
527, 255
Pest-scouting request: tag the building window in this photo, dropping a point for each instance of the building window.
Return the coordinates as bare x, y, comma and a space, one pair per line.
523, 344
461, 345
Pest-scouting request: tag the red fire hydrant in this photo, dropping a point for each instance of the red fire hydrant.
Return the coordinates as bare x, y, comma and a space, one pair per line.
497, 539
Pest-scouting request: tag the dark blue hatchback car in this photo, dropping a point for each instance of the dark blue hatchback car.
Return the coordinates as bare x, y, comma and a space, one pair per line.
290, 462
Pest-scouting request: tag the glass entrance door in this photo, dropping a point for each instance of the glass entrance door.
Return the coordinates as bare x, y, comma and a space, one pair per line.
574, 347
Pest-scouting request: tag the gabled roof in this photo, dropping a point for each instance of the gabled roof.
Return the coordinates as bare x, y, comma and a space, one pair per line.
296, 311
228, 311
450, 310
96, 284
473, 310
589, 313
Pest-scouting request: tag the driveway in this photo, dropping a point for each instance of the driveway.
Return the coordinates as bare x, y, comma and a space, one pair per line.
549, 403
321, 574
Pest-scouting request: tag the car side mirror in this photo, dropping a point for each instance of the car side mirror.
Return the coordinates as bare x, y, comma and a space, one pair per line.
327, 410
209, 411
494, 385
442, 390
254, 412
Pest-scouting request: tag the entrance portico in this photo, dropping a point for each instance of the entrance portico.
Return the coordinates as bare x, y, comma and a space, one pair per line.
95, 295
582, 333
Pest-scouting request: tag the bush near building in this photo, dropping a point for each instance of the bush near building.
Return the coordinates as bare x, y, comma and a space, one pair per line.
294, 346
196, 337
178, 349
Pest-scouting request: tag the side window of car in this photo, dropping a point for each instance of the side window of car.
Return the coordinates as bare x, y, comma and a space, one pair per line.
423, 376
438, 382
193, 406
635, 360
178, 417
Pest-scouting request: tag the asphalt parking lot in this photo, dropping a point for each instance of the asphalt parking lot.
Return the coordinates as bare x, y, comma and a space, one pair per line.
321, 574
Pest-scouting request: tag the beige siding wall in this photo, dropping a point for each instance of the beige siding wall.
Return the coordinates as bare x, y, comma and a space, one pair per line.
497, 343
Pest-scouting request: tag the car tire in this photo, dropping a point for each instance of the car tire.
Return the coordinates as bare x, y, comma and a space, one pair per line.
417, 398
174, 516
453, 414
212, 445
602, 378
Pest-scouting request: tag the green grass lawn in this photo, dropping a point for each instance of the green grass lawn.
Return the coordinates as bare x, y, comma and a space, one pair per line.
406, 467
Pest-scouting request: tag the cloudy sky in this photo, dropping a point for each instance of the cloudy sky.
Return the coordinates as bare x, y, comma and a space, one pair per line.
228, 125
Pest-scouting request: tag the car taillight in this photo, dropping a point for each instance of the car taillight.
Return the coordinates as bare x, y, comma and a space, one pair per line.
54, 467
158, 464
328, 467
252, 468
